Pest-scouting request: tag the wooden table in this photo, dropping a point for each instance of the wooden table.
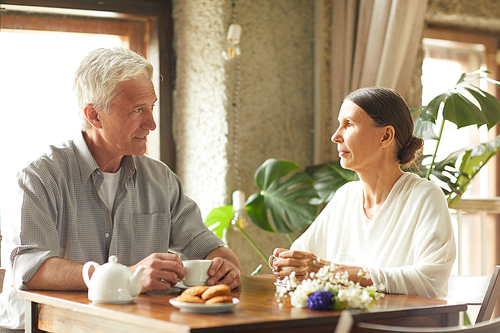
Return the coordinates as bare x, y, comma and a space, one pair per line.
258, 310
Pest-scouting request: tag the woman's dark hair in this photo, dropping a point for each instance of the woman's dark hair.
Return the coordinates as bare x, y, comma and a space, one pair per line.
387, 108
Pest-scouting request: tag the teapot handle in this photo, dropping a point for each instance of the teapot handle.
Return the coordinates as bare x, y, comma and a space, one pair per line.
86, 271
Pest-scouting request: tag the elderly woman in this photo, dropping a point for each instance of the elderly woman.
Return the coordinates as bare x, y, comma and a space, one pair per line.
394, 223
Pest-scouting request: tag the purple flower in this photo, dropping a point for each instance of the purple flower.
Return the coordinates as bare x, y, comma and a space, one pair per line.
320, 300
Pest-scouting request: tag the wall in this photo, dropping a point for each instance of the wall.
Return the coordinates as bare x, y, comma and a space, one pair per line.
275, 104
199, 113
465, 14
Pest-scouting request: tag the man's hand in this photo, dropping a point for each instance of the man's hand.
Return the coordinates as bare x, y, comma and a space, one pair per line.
163, 271
223, 271
225, 268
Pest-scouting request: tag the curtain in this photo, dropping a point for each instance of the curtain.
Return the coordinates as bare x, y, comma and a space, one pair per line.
373, 43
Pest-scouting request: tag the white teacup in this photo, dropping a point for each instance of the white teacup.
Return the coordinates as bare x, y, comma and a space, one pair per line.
196, 272
272, 258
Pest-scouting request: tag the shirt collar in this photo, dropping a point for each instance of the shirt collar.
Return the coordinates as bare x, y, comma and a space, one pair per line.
88, 165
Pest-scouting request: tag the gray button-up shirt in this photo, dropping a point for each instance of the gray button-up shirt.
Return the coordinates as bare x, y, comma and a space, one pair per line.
64, 214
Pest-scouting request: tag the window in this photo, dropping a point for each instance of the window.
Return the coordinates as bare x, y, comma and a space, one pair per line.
444, 62
43, 42
447, 55
143, 25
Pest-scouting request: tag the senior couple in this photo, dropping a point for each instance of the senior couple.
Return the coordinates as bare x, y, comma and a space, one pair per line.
99, 195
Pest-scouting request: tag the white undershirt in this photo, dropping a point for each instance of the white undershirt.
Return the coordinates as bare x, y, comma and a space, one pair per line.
109, 186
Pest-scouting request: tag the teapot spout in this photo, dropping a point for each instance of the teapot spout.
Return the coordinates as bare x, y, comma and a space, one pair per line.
135, 283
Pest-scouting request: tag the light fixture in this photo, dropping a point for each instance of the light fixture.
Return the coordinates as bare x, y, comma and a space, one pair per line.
239, 210
232, 45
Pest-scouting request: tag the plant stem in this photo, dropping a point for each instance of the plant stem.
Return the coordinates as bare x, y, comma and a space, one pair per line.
255, 247
435, 151
289, 238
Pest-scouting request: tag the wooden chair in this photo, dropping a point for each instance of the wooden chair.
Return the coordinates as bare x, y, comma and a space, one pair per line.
2, 275
476, 290
346, 324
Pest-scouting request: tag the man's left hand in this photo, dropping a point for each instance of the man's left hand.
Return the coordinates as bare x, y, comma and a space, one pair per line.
225, 268
223, 271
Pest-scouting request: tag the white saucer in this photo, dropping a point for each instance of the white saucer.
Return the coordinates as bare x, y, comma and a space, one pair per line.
180, 285
204, 308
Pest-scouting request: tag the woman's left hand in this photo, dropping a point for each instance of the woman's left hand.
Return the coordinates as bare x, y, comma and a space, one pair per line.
301, 262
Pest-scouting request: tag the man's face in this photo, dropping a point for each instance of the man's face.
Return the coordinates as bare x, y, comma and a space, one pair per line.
130, 119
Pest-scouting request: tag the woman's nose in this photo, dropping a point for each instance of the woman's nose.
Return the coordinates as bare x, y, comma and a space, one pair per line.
336, 138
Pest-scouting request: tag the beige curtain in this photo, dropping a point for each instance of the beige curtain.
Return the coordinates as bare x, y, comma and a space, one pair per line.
373, 43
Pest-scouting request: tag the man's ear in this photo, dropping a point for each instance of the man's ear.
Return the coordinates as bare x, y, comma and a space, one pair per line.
92, 115
388, 136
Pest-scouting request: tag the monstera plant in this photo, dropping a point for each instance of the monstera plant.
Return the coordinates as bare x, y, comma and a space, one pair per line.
464, 105
290, 197
287, 202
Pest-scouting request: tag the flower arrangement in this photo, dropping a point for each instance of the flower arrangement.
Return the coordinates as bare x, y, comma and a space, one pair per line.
328, 289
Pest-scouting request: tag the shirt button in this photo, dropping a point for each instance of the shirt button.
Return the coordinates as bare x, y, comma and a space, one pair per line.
106, 235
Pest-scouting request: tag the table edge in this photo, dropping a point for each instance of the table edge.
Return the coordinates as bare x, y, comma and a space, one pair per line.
92, 309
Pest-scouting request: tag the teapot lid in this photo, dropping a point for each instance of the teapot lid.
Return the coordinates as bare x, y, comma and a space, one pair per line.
114, 264
113, 259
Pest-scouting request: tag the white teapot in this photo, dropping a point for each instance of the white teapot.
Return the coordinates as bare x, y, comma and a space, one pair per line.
112, 282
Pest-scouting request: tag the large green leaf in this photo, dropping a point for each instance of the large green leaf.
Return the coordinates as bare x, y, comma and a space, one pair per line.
328, 178
472, 162
256, 211
447, 173
218, 220
284, 202
460, 167
431, 111
461, 111
424, 124
424, 127
490, 105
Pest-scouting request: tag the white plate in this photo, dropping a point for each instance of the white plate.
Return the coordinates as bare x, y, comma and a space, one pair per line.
203, 308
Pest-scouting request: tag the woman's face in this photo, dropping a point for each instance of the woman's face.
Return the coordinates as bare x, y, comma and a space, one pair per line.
358, 138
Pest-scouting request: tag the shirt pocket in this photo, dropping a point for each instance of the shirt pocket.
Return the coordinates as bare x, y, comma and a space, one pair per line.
149, 233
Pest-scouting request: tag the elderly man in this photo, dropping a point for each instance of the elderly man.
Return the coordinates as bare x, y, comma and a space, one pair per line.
99, 195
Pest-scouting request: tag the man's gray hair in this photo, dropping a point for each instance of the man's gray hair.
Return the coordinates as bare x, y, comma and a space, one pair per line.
101, 71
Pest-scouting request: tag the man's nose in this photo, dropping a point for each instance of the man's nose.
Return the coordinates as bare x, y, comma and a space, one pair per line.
149, 123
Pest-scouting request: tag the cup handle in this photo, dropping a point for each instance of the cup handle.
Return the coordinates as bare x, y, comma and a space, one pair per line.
270, 261
85, 271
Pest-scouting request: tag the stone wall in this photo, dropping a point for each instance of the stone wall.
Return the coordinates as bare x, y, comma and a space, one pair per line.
275, 104
465, 14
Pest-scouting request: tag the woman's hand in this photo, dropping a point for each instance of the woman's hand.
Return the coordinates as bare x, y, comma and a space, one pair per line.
301, 262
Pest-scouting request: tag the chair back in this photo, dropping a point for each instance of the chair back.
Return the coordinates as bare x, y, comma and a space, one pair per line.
2, 275
476, 290
346, 324
490, 298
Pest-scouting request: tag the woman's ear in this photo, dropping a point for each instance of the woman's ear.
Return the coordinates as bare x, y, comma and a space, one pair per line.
388, 136
92, 115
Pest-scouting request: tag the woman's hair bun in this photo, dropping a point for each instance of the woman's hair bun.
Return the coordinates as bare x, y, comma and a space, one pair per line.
408, 153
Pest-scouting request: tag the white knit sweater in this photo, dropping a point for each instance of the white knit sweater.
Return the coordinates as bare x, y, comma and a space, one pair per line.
408, 246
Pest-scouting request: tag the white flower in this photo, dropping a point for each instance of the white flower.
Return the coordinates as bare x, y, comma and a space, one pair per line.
328, 279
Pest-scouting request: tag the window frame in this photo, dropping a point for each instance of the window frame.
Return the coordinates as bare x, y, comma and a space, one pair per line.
491, 43
158, 48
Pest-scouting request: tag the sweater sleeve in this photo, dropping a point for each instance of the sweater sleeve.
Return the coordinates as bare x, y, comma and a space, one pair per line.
432, 250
